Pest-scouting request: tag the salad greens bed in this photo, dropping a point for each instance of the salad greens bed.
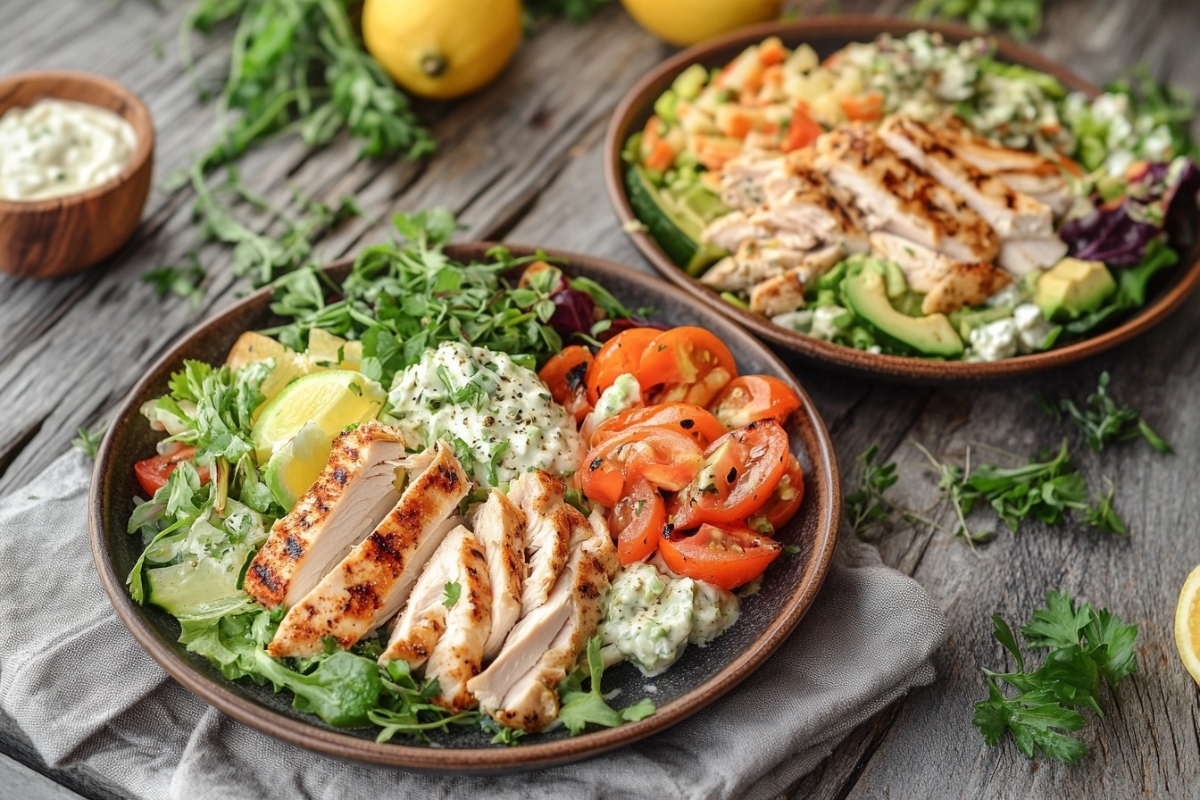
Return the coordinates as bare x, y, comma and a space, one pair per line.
1126, 160
399, 300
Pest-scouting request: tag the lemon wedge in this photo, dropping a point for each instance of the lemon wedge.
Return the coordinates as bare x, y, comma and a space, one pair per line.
1187, 624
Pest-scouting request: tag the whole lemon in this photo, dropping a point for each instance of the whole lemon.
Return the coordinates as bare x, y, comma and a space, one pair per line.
685, 22
442, 48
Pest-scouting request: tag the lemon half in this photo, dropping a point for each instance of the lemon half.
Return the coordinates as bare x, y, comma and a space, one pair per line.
1187, 624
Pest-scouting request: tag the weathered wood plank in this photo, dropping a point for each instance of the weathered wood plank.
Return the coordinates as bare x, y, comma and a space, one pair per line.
20, 781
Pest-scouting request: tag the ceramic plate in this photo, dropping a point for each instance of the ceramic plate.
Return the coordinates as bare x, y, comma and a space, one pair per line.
827, 35
698, 678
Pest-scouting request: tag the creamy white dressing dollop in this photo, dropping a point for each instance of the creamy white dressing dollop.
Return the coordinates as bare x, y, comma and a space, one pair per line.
483, 402
59, 147
650, 617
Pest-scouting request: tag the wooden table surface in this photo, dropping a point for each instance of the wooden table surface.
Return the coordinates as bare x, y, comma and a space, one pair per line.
521, 161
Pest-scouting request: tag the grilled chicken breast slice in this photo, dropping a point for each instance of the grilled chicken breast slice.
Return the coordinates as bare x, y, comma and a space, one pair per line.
964, 285
519, 689
548, 519
353, 492
896, 197
785, 292
923, 268
500, 528
742, 179
1010, 213
729, 231
439, 633
1019, 256
373, 581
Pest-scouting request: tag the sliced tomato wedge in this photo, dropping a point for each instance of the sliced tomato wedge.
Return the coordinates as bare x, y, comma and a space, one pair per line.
751, 398
783, 503
620, 355
637, 522
802, 131
664, 458
726, 557
566, 376
152, 473
685, 418
686, 365
741, 470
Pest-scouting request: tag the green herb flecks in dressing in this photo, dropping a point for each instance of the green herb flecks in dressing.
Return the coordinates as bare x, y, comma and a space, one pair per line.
58, 147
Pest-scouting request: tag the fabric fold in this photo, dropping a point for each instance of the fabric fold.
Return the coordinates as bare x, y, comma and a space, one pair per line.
88, 696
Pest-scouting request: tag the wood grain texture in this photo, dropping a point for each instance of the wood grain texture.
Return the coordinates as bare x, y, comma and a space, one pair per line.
522, 160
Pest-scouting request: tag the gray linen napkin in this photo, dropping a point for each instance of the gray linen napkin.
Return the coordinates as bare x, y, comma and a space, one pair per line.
87, 694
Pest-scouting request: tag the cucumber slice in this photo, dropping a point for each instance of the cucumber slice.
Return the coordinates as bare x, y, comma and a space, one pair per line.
192, 587
676, 229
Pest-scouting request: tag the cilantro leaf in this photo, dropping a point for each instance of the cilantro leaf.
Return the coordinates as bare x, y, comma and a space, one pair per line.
1110, 643
1103, 421
452, 592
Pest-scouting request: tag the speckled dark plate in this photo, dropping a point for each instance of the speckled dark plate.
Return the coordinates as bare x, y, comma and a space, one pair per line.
827, 35
700, 677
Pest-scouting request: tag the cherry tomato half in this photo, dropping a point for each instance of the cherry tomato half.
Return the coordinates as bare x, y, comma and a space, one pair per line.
664, 458
726, 557
565, 374
692, 420
751, 398
637, 522
784, 502
686, 365
153, 472
741, 470
620, 355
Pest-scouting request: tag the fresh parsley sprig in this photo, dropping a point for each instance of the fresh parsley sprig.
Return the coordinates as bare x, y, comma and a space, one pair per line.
1103, 421
1021, 18
581, 708
1045, 489
866, 506
1085, 645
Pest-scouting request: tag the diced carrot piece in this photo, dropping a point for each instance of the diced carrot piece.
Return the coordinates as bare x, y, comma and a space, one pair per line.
802, 131
867, 108
714, 151
734, 122
661, 156
771, 52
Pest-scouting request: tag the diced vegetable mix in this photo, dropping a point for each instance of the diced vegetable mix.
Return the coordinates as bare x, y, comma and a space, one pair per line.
1126, 156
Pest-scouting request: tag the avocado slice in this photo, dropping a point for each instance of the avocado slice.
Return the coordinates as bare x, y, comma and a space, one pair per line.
1072, 288
866, 292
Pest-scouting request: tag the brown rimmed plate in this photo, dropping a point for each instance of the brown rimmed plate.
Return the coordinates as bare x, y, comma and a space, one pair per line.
697, 679
827, 35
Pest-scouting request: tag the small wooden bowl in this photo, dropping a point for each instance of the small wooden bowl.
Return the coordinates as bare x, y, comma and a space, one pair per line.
827, 35
64, 235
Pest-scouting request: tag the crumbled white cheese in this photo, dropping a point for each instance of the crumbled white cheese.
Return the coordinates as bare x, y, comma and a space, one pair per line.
1033, 330
995, 341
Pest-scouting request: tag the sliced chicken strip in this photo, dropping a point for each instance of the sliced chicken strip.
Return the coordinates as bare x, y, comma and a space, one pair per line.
353, 492
964, 285
742, 179
786, 292
1030, 173
500, 528
541, 497
1019, 256
373, 581
530, 702
923, 268
898, 198
1051, 190
1011, 214
444, 633
729, 231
